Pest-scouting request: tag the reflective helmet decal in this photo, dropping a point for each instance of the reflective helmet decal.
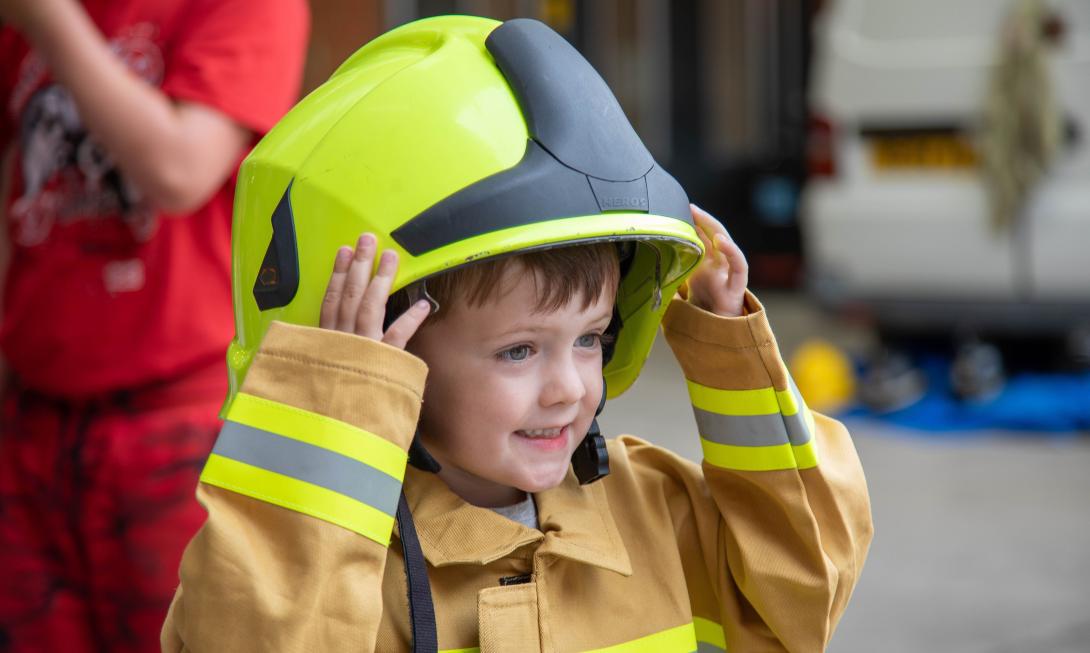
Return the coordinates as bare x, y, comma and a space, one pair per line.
278, 279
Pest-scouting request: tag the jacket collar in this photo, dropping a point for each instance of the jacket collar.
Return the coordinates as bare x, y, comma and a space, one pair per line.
575, 521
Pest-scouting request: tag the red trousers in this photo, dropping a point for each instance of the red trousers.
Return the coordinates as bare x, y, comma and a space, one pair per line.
96, 505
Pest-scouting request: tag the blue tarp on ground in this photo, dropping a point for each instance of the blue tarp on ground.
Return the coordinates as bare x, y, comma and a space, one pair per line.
1054, 402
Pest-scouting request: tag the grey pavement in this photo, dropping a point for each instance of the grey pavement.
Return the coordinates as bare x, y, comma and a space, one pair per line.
982, 540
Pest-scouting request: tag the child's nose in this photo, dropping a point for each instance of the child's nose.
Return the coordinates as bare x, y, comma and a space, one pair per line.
564, 384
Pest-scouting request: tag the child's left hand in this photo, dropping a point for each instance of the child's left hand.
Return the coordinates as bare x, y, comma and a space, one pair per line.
719, 283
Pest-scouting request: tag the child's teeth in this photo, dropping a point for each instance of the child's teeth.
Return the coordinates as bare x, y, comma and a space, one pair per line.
538, 433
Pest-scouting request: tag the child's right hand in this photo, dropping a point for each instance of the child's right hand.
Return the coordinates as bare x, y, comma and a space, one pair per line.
355, 301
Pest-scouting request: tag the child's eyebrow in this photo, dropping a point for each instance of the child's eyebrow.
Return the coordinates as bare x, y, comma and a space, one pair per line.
537, 327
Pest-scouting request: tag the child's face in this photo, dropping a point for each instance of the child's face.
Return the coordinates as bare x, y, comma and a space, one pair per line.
510, 392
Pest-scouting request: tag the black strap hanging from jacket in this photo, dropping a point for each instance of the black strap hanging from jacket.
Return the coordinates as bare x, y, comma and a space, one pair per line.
421, 609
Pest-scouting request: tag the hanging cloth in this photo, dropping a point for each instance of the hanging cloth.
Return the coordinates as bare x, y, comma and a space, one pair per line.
1022, 123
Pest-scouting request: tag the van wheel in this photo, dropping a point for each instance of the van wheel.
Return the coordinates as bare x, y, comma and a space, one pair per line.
977, 371
891, 382
1078, 346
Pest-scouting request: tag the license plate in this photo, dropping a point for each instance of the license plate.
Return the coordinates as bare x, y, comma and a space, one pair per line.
922, 151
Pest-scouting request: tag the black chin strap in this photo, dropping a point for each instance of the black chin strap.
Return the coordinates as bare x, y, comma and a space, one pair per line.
420, 458
590, 460
421, 609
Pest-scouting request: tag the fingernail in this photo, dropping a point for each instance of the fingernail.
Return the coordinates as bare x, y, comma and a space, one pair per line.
366, 241
422, 305
343, 253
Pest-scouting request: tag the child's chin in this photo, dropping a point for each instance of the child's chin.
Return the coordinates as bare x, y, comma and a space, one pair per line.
542, 482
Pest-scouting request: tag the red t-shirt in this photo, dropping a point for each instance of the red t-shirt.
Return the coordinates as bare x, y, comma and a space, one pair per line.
104, 292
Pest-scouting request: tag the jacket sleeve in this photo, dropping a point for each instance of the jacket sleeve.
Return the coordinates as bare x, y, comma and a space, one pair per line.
300, 489
791, 520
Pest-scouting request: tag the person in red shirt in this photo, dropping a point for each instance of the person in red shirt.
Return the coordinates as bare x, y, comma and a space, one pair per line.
122, 124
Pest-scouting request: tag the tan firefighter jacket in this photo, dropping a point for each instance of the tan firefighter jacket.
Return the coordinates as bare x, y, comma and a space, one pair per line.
757, 550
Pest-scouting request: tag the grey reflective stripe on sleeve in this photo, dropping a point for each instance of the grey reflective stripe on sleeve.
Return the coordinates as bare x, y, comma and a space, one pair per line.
308, 463
755, 430
796, 428
704, 647
741, 430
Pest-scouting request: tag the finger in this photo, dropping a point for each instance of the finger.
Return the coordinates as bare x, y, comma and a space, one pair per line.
709, 248
708, 228
702, 234
359, 275
706, 220
372, 309
331, 302
407, 324
739, 267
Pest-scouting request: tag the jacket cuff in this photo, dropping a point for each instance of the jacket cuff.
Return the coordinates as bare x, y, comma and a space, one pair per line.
321, 426
750, 415
707, 344
356, 380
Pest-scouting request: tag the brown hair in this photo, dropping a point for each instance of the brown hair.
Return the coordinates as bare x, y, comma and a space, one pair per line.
560, 275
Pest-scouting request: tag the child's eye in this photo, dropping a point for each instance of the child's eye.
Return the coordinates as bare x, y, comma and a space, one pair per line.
516, 353
588, 340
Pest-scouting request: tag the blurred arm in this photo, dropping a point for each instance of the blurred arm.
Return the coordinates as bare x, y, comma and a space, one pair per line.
178, 154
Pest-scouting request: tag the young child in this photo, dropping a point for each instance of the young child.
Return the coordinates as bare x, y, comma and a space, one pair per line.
528, 262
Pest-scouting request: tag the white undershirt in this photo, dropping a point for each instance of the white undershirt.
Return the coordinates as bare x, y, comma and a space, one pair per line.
524, 512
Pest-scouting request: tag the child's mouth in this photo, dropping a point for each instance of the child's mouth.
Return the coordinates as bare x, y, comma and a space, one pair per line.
541, 433
550, 438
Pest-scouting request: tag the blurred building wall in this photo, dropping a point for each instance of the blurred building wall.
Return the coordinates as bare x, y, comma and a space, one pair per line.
338, 28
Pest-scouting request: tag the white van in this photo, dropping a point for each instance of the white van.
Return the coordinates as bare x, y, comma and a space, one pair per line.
895, 217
